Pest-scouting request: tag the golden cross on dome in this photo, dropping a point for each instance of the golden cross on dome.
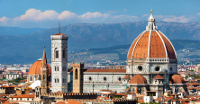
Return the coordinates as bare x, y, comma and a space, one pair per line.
151, 11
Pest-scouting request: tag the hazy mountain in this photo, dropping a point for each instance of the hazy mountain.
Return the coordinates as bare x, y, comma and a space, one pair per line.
21, 48
17, 30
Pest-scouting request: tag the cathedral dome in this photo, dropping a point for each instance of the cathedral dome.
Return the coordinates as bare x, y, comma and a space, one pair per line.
177, 79
151, 44
36, 67
138, 79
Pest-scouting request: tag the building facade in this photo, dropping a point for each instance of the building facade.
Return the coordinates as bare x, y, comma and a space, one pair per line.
59, 58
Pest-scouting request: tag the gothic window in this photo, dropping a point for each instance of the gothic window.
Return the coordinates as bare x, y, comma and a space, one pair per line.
43, 76
64, 68
31, 78
76, 74
57, 80
63, 54
57, 68
57, 54
37, 94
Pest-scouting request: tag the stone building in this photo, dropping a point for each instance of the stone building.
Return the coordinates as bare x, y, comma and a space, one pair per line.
59, 58
151, 66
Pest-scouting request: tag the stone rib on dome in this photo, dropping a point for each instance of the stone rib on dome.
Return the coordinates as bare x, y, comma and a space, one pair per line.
36, 67
151, 44
138, 79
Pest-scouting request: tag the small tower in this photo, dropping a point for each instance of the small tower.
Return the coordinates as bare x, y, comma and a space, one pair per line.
37, 98
59, 49
44, 75
77, 77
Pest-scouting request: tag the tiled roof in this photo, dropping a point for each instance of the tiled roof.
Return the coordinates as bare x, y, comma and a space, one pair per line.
127, 76
158, 77
107, 70
36, 67
60, 34
177, 79
155, 44
23, 96
138, 79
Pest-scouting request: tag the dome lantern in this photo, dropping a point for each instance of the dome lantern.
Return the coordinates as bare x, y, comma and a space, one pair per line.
151, 22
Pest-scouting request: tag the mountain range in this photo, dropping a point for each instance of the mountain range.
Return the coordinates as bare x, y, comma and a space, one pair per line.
25, 45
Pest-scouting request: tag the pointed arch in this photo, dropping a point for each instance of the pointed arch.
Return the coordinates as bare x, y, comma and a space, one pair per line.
76, 73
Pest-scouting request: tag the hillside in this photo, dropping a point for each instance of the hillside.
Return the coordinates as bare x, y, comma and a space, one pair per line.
26, 48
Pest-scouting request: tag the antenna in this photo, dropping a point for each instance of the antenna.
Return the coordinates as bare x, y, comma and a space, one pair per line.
59, 27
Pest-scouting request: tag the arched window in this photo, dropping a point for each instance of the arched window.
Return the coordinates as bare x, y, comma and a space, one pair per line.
64, 68
57, 68
43, 76
57, 54
76, 74
63, 55
31, 78
55, 80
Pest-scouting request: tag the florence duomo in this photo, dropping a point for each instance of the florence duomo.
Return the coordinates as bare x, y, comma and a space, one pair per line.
150, 72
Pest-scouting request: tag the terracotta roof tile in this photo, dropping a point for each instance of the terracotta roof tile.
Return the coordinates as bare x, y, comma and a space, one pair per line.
127, 76
177, 79
60, 34
138, 79
158, 77
35, 68
23, 96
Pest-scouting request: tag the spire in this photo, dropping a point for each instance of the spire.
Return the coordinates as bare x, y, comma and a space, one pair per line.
44, 59
151, 22
59, 27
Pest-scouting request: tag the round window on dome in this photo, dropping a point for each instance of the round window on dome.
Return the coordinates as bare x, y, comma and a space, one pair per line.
104, 78
119, 79
157, 68
90, 78
140, 68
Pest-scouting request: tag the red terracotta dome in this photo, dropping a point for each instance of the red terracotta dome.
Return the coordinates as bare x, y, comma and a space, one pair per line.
138, 79
151, 43
36, 67
177, 79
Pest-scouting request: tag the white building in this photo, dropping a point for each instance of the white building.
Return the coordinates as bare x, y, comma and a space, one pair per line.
59, 49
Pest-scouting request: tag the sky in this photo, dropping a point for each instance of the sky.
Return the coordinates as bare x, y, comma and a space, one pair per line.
48, 13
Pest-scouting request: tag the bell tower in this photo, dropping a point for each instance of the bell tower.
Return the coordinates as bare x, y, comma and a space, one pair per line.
44, 75
59, 58
77, 77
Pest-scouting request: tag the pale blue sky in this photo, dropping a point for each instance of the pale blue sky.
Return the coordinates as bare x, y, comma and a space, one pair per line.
47, 13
